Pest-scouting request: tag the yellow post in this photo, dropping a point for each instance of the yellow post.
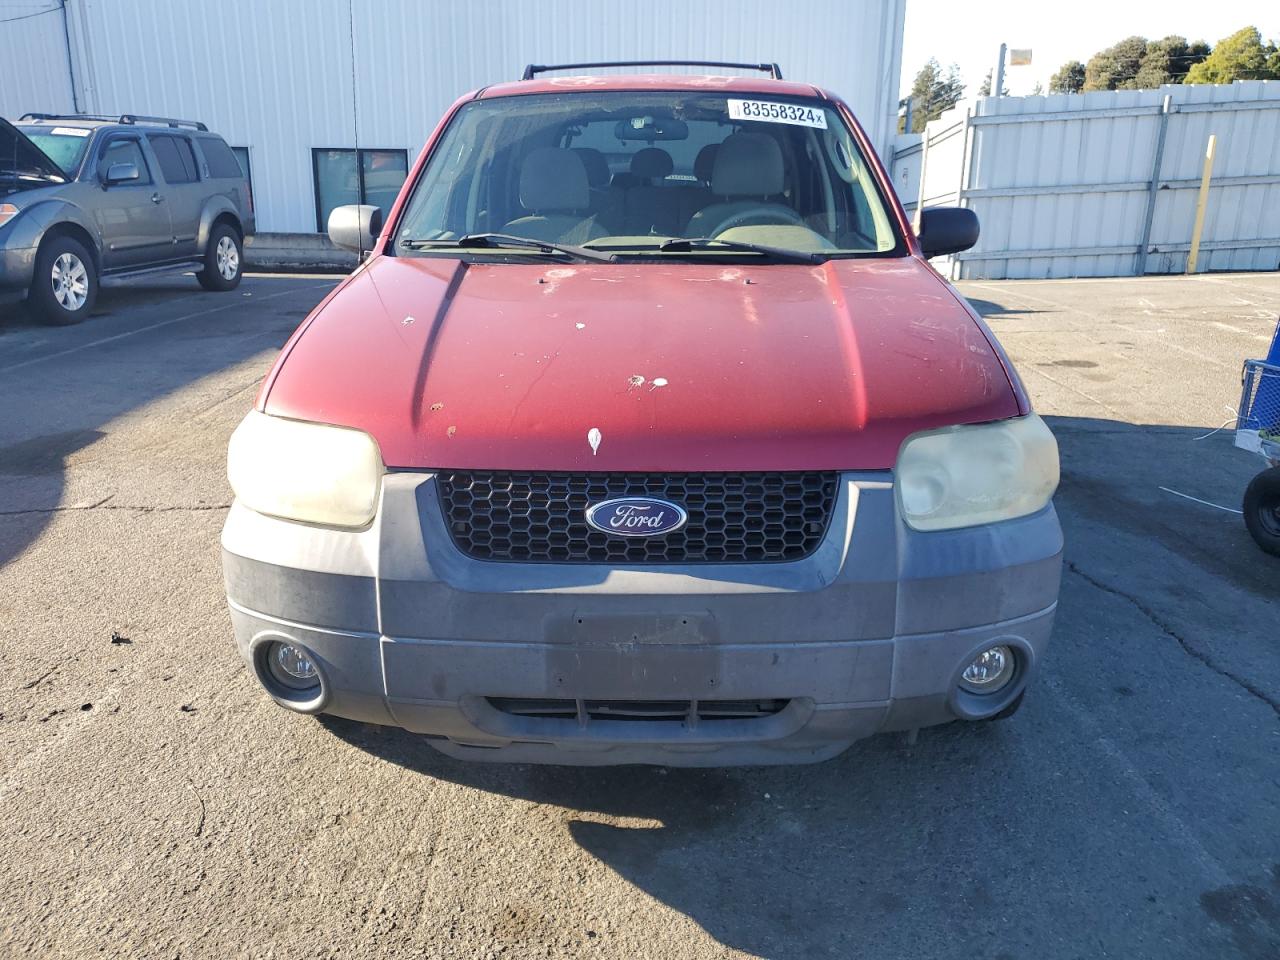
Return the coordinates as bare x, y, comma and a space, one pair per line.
1201, 203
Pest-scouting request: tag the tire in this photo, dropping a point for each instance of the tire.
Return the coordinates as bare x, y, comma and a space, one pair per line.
223, 260
1262, 510
65, 286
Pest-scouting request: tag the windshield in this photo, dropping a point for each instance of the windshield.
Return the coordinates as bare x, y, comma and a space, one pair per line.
625, 171
65, 146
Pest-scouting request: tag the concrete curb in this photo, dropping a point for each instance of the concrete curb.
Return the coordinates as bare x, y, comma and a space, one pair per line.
296, 251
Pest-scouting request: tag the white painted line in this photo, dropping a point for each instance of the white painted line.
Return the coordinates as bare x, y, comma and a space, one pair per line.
153, 326
1244, 333
1215, 506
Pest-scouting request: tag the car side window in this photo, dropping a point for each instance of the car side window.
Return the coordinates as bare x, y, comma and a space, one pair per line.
177, 163
188, 158
221, 161
125, 150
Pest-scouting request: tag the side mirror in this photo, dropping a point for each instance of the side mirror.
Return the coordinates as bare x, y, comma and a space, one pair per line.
355, 226
946, 230
122, 173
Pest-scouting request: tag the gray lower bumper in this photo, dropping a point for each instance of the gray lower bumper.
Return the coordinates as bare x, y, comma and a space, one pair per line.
17, 266
868, 634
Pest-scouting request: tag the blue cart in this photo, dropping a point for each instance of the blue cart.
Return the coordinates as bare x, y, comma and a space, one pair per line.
1258, 431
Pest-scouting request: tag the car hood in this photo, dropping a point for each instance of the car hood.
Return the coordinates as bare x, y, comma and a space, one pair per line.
19, 155
672, 366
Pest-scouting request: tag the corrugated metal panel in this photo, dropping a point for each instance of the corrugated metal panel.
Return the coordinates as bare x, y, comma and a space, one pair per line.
1062, 184
33, 58
278, 77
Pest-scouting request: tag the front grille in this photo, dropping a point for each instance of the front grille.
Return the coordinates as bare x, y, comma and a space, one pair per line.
733, 517
684, 711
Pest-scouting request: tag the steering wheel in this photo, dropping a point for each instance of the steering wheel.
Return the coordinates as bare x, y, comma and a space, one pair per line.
763, 215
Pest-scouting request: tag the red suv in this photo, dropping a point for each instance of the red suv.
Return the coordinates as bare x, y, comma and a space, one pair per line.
645, 433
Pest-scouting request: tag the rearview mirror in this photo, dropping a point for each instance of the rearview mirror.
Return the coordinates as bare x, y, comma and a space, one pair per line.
355, 226
946, 230
122, 172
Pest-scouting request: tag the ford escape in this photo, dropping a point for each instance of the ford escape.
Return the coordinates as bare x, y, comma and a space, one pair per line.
644, 432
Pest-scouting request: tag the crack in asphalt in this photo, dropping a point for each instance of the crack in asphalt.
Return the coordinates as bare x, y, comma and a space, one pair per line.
200, 798
1189, 648
103, 505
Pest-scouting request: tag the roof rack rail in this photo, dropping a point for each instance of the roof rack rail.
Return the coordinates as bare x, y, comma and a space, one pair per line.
67, 116
166, 121
535, 68
127, 118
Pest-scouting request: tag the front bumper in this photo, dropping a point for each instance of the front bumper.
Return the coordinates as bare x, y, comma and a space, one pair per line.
17, 267
869, 633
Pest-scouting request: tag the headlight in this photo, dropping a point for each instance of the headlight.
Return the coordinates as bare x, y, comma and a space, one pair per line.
7, 212
968, 475
305, 471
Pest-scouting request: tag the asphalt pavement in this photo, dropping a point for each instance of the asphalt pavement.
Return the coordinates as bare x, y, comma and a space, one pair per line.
155, 803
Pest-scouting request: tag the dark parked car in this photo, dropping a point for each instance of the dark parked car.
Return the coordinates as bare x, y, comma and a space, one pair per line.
85, 199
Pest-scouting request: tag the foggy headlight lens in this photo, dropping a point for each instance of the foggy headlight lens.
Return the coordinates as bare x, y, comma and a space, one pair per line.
291, 667
969, 475
311, 472
991, 670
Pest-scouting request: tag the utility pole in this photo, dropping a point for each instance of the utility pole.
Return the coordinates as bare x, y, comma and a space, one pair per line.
997, 77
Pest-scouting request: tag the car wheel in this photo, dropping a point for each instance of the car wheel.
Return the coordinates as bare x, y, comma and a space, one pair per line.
222, 260
1262, 510
65, 286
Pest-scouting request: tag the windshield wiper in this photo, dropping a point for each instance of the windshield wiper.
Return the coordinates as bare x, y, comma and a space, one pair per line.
711, 243
510, 241
31, 175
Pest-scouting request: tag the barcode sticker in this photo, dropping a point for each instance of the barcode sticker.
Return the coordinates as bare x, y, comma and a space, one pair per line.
770, 112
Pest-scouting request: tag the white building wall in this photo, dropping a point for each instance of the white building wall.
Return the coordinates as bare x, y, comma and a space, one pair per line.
34, 73
284, 76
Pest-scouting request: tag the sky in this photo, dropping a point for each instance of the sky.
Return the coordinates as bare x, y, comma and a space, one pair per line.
969, 34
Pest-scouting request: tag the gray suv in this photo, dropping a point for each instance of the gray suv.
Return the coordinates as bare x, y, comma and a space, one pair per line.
89, 199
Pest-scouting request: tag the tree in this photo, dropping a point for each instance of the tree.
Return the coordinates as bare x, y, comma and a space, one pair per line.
1241, 56
1068, 79
1167, 61
984, 90
1116, 67
933, 93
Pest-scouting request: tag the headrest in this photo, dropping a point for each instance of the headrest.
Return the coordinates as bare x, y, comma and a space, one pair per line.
747, 165
705, 162
651, 163
553, 179
597, 166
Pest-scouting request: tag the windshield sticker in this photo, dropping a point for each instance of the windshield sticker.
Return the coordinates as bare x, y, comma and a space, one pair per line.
69, 132
777, 113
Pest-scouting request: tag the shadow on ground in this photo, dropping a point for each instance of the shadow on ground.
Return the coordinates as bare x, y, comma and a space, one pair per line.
57, 408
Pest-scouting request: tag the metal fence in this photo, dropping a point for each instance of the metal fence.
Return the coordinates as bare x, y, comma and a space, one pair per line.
1105, 184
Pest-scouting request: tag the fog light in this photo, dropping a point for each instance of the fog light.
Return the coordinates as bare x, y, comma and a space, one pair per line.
991, 670
291, 667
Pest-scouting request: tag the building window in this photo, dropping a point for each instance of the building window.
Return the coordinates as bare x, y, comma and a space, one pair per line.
356, 176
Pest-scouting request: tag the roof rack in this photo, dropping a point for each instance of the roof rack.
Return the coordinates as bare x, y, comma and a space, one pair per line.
127, 118
535, 68
67, 116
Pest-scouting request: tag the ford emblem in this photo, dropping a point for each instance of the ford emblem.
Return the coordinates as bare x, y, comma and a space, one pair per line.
636, 517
